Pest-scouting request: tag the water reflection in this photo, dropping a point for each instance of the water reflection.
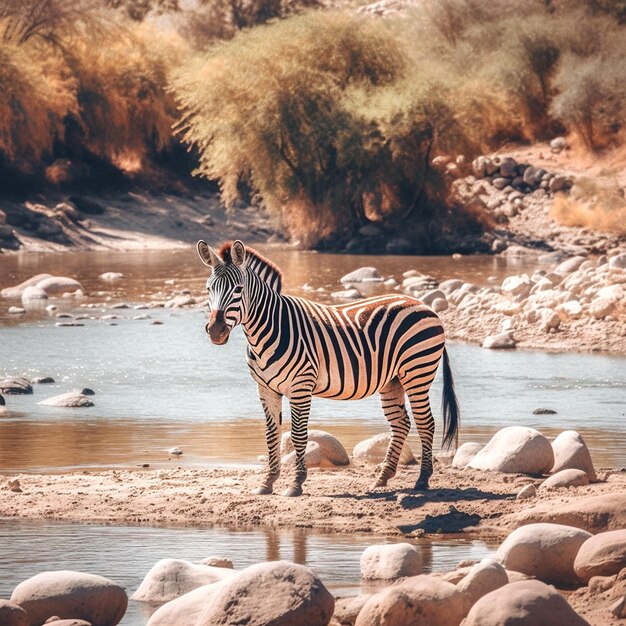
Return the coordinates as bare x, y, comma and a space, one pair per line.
29, 547
164, 386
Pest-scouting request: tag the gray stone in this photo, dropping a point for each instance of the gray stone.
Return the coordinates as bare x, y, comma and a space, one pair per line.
515, 449
564, 479
71, 399
390, 561
416, 601
523, 603
501, 341
57, 285
618, 261
501, 183
465, 453
601, 555
171, 578
15, 386
362, 274
276, 593
569, 265
373, 450
71, 595
331, 450
571, 452
508, 167
546, 551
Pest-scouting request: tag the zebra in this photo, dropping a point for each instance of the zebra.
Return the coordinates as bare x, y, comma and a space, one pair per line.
390, 344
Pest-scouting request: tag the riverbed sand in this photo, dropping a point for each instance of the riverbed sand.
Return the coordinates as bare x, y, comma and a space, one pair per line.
335, 500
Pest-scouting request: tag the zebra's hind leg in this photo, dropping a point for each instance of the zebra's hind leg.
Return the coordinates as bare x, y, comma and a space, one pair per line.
393, 401
300, 409
272, 406
420, 407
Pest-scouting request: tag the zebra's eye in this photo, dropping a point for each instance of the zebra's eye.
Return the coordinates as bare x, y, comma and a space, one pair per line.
238, 289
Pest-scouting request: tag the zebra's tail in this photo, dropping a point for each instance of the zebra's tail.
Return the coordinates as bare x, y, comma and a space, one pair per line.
450, 406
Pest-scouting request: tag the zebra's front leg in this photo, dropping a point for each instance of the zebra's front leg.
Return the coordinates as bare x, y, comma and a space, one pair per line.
272, 406
392, 398
300, 409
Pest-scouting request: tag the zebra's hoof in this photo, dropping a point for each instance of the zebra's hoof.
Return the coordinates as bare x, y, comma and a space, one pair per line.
263, 491
421, 485
293, 492
381, 482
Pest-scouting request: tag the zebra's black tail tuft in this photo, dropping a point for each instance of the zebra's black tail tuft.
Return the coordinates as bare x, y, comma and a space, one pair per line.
450, 406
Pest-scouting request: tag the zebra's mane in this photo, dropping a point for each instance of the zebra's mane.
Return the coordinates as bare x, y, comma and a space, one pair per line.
264, 268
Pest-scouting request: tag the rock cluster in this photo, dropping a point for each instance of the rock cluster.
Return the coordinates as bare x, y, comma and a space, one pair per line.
518, 449
42, 287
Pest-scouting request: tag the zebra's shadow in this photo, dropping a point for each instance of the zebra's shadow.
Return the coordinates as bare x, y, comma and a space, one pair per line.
411, 499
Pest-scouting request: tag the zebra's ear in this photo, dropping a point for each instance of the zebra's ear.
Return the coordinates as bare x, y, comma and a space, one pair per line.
238, 253
207, 255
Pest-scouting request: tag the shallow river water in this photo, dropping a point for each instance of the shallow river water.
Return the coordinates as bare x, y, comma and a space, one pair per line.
159, 386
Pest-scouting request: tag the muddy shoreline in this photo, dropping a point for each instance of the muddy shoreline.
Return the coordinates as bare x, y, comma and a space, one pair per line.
339, 501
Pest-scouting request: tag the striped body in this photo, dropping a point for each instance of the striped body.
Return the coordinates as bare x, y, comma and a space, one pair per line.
391, 345
351, 351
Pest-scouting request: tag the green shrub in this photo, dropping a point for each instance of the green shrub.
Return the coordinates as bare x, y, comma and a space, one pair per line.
318, 116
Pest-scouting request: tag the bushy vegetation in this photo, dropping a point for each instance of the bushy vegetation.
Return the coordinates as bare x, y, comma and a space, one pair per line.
330, 118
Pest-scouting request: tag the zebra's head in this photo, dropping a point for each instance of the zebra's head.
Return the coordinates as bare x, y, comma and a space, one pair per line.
225, 288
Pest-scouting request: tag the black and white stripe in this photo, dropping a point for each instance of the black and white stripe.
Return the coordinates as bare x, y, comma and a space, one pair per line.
390, 344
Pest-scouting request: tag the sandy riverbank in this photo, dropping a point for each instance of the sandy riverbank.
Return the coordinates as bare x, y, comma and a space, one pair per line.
337, 500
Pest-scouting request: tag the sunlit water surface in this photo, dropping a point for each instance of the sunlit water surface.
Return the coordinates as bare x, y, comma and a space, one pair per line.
159, 386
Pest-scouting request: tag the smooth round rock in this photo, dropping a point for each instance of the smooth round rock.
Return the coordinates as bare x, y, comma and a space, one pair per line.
12, 614
276, 593
33, 292
501, 341
58, 285
170, 578
71, 399
71, 595
373, 450
312, 456
465, 453
546, 551
601, 555
529, 491
111, 276
390, 561
523, 603
516, 449
15, 386
483, 578
363, 274
218, 561
185, 610
564, 479
332, 452
16, 292
416, 601
571, 452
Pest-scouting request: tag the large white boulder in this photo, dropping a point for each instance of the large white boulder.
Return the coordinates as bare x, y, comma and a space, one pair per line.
571, 452
185, 610
416, 601
390, 561
332, 451
601, 555
277, 593
569, 265
69, 595
312, 456
373, 450
72, 399
501, 341
362, 275
58, 285
16, 292
546, 551
170, 578
515, 449
517, 286
483, 578
564, 479
465, 453
523, 603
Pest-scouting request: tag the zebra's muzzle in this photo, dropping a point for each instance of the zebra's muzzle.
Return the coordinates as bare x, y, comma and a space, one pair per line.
217, 328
